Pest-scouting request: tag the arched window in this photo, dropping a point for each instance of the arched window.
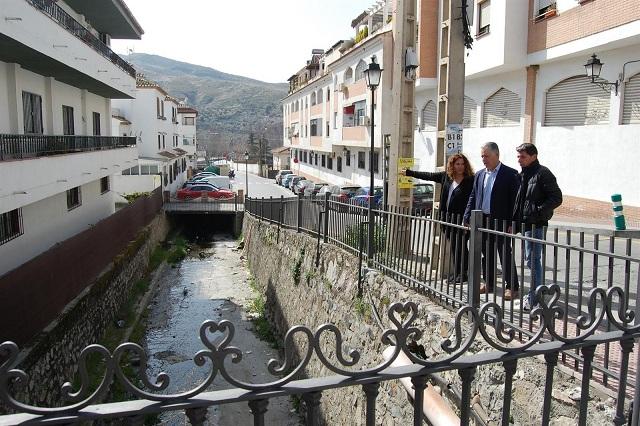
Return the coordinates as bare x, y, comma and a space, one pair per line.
348, 76
502, 109
576, 102
428, 117
297, 107
470, 118
631, 108
313, 98
362, 65
319, 98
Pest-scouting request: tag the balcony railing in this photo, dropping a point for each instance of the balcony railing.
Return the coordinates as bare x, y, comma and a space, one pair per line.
66, 21
29, 146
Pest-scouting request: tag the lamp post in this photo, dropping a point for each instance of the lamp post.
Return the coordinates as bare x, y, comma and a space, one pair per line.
246, 173
593, 67
372, 75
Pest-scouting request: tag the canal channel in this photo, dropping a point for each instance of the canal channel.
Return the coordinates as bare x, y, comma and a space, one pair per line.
210, 283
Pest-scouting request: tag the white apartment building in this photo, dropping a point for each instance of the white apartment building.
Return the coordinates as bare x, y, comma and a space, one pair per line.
188, 116
327, 112
165, 145
58, 77
525, 82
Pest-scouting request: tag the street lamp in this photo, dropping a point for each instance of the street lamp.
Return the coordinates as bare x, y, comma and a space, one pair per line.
246, 173
593, 68
372, 76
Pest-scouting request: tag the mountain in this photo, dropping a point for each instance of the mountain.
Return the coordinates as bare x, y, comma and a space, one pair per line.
230, 106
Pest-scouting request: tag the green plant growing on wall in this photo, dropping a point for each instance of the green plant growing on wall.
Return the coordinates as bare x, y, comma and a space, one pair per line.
309, 275
362, 308
352, 239
297, 268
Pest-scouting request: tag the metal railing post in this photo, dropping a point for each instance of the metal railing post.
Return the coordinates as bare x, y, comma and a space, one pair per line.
326, 216
262, 209
475, 259
299, 224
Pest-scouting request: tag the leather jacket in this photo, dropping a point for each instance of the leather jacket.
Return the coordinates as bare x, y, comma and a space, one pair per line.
537, 197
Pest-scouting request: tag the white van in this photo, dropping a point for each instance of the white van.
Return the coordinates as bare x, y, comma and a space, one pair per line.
220, 181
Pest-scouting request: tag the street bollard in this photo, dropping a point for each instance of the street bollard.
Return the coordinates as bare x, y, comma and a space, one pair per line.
618, 216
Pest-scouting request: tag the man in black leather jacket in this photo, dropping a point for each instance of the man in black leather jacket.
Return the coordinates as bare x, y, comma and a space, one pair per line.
537, 197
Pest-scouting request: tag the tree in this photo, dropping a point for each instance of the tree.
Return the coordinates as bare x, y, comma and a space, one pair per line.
253, 146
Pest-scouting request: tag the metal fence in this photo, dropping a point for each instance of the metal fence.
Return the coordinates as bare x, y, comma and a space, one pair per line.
66, 21
443, 257
27, 146
607, 320
204, 205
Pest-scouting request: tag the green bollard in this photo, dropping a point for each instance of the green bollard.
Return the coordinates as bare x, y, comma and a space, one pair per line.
618, 216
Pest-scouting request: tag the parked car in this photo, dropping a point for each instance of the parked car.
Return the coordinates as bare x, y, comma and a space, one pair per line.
423, 198
316, 188
196, 191
341, 192
281, 174
204, 174
286, 179
294, 181
361, 198
219, 181
299, 187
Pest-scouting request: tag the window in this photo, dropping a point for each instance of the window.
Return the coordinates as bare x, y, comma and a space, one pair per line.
362, 65
313, 98
335, 120
170, 174
104, 184
576, 102
376, 161
428, 118
329, 163
328, 94
316, 127
10, 225
316, 155
164, 145
305, 157
32, 113
347, 157
360, 112
324, 160
327, 132
96, 124
544, 6
189, 121
348, 76
339, 164
470, 118
361, 160
631, 108
160, 108
174, 114
484, 17
74, 198
502, 109
159, 143
67, 120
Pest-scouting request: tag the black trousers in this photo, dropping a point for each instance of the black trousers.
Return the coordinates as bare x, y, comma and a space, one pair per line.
459, 252
497, 243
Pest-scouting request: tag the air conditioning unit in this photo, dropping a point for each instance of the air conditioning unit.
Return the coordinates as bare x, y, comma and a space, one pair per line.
364, 121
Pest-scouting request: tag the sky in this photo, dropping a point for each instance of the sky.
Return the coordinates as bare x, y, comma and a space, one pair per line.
264, 40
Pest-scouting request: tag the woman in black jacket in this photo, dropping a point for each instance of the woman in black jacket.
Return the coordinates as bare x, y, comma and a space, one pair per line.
457, 184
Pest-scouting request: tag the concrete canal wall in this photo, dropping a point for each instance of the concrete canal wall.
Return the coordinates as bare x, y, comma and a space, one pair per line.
298, 292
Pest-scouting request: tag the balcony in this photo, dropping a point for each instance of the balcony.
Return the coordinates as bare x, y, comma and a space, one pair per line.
13, 147
66, 21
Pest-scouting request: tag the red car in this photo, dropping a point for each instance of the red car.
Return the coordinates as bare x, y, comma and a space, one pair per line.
197, 191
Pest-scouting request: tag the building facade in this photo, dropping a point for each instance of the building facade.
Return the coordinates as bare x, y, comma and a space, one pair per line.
327, 113
58, 77
165, 145
525, 82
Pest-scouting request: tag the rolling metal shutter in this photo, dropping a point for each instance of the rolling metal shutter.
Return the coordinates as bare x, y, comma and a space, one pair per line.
428, 118
470, 118
502, 109
631, 110
576, 102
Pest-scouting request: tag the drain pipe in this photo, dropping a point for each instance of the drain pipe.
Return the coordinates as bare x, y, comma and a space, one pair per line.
436, 409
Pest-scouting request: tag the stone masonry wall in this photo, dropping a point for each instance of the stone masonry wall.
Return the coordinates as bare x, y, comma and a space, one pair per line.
299, 293
52, 359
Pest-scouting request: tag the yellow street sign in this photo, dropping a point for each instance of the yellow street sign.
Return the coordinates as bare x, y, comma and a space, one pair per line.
405, 182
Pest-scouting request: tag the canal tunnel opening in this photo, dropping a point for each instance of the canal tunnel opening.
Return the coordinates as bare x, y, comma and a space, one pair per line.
203, 227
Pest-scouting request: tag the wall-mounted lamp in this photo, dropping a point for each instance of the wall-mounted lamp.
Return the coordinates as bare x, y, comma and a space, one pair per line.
593, 68
410, 63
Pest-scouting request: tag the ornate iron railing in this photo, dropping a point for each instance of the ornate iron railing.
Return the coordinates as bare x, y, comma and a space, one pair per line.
28, 146
404, 248
66, 21
469, 329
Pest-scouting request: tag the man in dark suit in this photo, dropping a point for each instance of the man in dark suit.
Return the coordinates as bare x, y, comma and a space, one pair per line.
494, 192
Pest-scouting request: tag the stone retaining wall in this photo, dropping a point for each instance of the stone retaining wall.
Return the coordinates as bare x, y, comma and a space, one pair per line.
52, 359
298, 292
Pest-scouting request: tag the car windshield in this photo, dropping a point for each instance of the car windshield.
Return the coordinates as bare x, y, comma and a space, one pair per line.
423, 190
